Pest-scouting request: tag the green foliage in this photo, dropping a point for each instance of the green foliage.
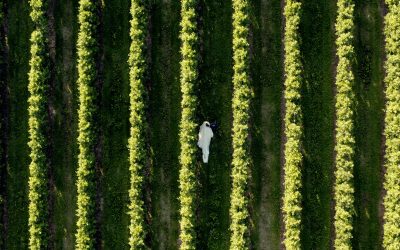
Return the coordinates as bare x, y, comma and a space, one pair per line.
293, 126
344, 190
87, 74
391, 238
188, 125
137, 141
242, 95
38, 86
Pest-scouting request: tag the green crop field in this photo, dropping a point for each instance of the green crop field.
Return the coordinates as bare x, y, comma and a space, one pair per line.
102, 101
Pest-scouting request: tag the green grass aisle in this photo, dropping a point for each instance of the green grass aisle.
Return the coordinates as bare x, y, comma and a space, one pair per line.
137, 141
344, 190
317, 100
38, 118
114, 113
368, 129
215, 95
242, 94
20, 27
266, 75
4, 119
391, 237
188, 124
64, 101
87, 76
293, 126
164, 107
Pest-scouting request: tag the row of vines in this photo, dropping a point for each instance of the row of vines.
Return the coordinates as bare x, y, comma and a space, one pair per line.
87, 48
293, 126
344, 148
188, 127
188, 124
87, 51
137, 141
391, 239
240, 132
38, 87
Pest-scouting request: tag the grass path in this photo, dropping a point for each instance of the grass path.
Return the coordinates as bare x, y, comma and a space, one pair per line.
266, 76
115, 125
317, 34
65, 127
164, 109
20, 28
369, 88
215, 90
4, 123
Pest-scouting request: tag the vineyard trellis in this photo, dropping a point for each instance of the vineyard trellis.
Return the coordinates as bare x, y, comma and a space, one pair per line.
37, 109
87, 75
137, 140
242, 94
344, 148
293, 126
391, 236
188, 124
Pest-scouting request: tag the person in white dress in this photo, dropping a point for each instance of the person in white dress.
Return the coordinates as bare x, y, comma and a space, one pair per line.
205, 136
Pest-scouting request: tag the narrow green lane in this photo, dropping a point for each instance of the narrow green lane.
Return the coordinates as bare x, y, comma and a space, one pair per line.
369, 89
215, 90
115, 125
65, 124
317, 34
20, 28
164, 110
266, 76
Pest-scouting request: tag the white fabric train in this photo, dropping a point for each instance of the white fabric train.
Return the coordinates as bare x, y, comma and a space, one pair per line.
205, 136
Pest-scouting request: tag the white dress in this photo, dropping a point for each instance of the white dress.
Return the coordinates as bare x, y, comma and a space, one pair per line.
205, 136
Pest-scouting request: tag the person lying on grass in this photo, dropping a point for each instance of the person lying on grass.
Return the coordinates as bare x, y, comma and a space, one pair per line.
205, 136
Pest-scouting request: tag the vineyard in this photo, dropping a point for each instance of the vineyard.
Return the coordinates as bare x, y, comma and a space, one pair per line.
101, 106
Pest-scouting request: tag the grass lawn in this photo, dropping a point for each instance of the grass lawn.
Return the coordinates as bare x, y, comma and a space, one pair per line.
317, 34
114, 113
266, 75
369, 88
20, 27
215, 91
164, 110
